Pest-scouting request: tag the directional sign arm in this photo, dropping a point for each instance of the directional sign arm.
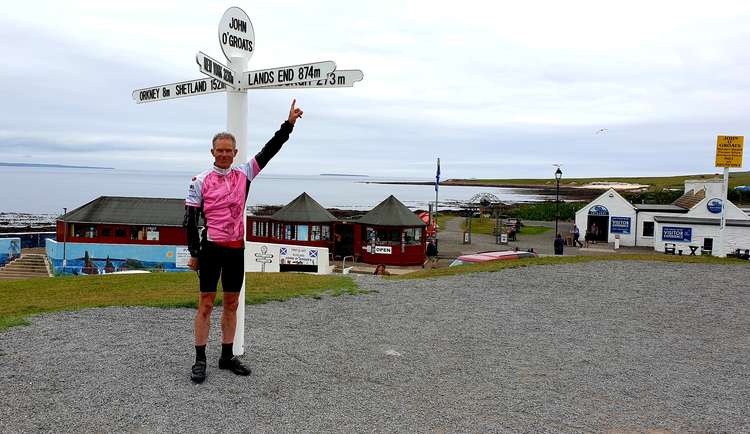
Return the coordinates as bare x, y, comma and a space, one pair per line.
337, 78
182, 89
215, 69
285, 75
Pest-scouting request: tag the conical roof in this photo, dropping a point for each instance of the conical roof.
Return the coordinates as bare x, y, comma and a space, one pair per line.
391, 212
303, 209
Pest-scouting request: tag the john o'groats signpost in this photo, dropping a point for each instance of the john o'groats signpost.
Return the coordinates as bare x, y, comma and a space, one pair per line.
237, 41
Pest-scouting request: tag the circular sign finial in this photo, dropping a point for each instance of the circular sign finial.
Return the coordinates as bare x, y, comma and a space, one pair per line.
714, 205
236, 34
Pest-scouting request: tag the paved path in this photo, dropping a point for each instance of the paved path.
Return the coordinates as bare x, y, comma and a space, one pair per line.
600, 347
452, 244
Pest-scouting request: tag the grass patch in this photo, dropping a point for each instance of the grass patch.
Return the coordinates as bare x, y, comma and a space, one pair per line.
534, 230
487, 226
501, 265
545, 211
442, 219
22, 298
12, 321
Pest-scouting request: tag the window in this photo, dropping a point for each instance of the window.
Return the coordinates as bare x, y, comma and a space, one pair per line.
106, 232
288, 232
152, 233
369, 234
708, 244
85, 231
326, 233
315, 233
254, 229
136, 233
384, 235
412, 235
120, 232
302, 232
648, 229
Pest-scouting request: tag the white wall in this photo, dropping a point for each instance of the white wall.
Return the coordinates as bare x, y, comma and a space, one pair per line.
699, 233
732, 212
618, 207
646, 216
266, 257
738, 237
713, 187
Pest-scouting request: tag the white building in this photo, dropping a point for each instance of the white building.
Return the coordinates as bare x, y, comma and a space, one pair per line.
690, 223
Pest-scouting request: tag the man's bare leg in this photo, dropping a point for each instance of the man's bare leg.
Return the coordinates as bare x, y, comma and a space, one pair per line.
228, 327
202, 325
203, 317
229, 316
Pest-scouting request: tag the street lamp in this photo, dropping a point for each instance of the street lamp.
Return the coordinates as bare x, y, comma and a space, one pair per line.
558, 175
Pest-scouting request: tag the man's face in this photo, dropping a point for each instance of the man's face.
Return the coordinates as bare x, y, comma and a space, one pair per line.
223, 152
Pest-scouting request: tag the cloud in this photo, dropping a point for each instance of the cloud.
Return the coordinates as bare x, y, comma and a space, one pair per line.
494, 89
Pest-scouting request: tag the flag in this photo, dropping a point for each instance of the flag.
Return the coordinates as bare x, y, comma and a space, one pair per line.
437, 175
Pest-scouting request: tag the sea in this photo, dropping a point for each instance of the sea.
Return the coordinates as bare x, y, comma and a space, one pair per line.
46, 191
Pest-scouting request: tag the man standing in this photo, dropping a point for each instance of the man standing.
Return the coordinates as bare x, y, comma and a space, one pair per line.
576, 237
220, 194
559, 243
432, 253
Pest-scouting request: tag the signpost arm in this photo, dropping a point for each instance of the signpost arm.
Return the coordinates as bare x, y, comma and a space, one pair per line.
237, 125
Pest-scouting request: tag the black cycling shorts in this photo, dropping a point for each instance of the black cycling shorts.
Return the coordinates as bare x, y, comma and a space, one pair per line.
214, 261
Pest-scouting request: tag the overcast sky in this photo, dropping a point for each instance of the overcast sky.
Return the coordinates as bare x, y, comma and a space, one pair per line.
496, 89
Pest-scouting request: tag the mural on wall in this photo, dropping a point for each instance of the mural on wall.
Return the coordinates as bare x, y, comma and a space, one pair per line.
96, 258
10, 249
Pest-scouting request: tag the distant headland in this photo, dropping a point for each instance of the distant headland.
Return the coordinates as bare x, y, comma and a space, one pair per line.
56, 166
344, 174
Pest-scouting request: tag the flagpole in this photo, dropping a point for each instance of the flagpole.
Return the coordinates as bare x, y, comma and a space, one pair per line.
437, 184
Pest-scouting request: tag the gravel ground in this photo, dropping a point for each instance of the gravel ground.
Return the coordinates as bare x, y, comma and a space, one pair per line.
598, 347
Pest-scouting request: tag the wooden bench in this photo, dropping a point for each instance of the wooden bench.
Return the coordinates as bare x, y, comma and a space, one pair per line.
669, 248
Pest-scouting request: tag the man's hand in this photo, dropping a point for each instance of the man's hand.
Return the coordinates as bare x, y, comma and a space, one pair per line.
193, 263
294, 113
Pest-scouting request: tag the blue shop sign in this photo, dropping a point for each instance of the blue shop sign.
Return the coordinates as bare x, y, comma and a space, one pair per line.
714, 206
671, 233
598, 210
619, 225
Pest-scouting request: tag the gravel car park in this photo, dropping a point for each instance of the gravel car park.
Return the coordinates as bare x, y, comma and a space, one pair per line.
594, 347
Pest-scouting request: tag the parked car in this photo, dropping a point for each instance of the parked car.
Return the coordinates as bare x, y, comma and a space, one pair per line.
491, 256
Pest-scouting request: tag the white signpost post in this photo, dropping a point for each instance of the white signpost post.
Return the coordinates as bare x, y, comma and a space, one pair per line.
728, 154
237, 41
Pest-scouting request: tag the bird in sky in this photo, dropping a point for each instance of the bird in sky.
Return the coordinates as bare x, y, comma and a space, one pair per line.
601, 130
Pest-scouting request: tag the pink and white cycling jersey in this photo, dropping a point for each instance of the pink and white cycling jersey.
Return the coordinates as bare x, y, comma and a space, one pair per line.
222, 193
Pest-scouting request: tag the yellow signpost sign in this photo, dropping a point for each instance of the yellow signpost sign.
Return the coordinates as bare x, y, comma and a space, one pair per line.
729, 151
